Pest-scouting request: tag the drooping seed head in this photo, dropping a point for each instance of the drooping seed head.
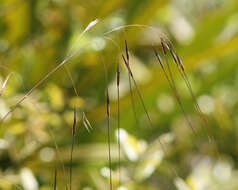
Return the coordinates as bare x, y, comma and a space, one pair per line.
127, 66
127, 52
180, 62
108, 104
163, 45
74, 124
118, 74
158, 57
173, 54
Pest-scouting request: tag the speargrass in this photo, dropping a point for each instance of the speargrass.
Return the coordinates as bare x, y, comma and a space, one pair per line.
169, 77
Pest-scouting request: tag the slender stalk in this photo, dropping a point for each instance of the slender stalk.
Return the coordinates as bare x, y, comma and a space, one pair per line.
132, 100
13, 108
138, 90
36, 86
109, 138
142, 102
130, 85
86, 122
188, 84
55, 180
72, 149
58, 153
118, 125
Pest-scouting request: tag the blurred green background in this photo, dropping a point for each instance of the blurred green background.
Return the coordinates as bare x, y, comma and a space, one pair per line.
36, 35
